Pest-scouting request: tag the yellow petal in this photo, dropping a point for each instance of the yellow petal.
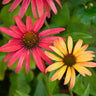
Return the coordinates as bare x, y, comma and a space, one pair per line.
56, 50
77, 46
61, 73
72, 82
68, 75
82, 70
54, 66
52, 56
70, 44
63, 45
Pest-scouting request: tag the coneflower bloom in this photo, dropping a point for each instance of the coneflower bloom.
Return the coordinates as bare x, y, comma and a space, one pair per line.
36, 5
27, 38
70, 60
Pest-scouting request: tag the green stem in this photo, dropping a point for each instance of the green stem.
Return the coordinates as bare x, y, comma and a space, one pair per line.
46, 23
71, 94
45, 77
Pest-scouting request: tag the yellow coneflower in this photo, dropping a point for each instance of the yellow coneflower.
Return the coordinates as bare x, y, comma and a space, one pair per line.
70, 60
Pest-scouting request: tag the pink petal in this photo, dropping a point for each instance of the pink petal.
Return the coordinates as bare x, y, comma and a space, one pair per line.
14, 5
38, 60
20, 62
9, 32
16, 30
16, 56
14, 41
52, 5
39, 23
58, 1
29, 23
8, 56
47, 10
27, 64
50, 39
45, 46
5, 1
20, 24
33, 5
51, 31
43, 56
39, 7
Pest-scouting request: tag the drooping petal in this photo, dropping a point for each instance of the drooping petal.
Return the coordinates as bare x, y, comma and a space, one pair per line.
9, 32
50, 32
39, 23
39, 7
14, 5
77, 46
54, 66
43, 56
58, 1
72, 82
52, 5
52, 56
20, 24
5, 1
33, 5
56, 51
16, 56
29, 23
38, 60
8, 56
20, 62
23, 8
27, 64
70, 44
68, 76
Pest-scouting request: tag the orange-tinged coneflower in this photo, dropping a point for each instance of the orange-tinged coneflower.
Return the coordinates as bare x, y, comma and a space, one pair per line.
69, 60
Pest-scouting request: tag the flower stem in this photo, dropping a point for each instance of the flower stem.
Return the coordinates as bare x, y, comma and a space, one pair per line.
71, 94
46, 23
45, 77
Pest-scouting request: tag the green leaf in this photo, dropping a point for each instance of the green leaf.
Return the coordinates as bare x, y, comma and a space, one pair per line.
61, 95
21, 93
62, 18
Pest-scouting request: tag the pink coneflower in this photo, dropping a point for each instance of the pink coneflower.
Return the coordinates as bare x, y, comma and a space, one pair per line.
39, 4
27, 38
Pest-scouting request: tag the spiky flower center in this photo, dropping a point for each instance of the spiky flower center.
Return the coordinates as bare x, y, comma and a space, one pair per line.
29, 39
69, 60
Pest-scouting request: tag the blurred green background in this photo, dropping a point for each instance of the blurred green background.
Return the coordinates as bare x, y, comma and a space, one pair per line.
79, 19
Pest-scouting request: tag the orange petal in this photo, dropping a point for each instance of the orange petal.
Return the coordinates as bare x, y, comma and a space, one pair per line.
70, 44
56, 50
72, 82
68, 75
63, 45
54, 66
77, 46
52, 56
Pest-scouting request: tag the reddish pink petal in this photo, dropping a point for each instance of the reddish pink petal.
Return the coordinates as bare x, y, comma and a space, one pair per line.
58, 1
14, 41
16, 56
39, 23
52, 5
45, 46
20, 24
47, 10
20, 62
39, 7
9, 32
8, 56
51, 31
27, 64
38, 60
29, 23
50, 39
5, 1
14, 5
16, 30
43, 56
33, 4
24, 7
